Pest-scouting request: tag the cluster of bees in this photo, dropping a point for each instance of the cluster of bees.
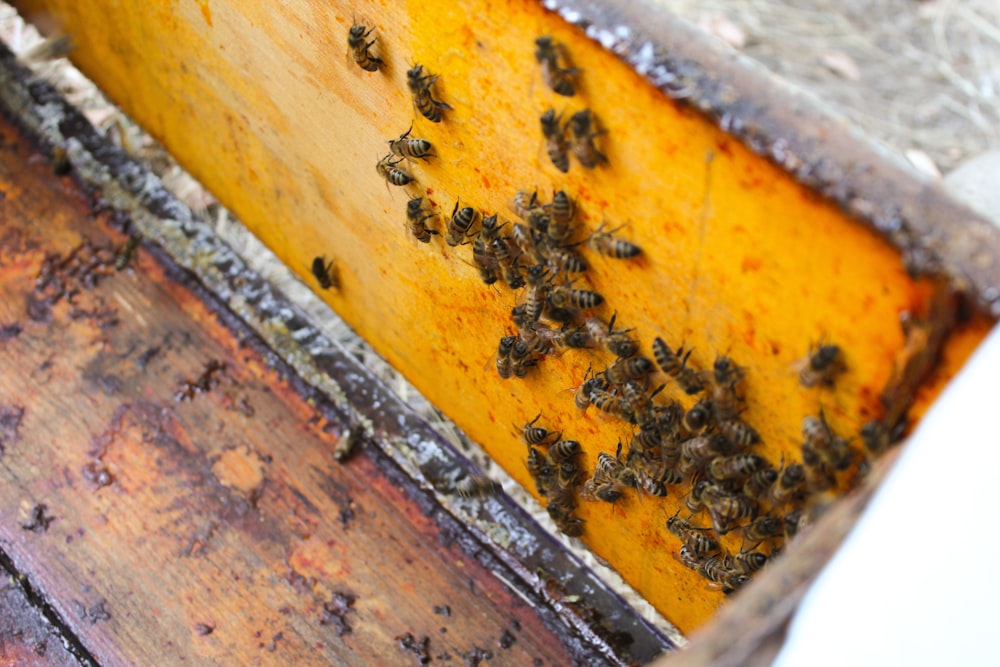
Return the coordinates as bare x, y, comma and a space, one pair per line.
705, 450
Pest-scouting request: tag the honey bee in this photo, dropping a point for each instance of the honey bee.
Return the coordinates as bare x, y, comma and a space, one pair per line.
486, 263
700, 449
564, 338
417, 220
617, 342
698, 417
647, 443
564, 450
459, 225
819, 477
477, 485
537, 289
631, 368
564, 259
582, 396
821, 366
816, 431
526, 205
840, 454
605, 401
695, 500
635, 395
361, 50
536, 435
541, 471
725, 509
727, 373
325, 274
759, 483
582, 139
713, 568
561, 212
609, 245
697, 540
555, 140
562, 296
654, 478
750, 561
727, 403
560, 508
420, 87
500, 247
512, 276
535, 343
878, 437
763, 528
611, 479
569, 474
521, 359
411, 147
737, 467
504, 364
738, 432
790, 485
388, 170
559, 79
523, 238
675, 365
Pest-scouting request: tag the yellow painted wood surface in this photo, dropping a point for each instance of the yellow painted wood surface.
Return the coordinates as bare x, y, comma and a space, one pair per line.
262, 103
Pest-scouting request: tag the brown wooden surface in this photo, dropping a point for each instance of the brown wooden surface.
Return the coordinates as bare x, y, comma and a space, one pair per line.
195, 517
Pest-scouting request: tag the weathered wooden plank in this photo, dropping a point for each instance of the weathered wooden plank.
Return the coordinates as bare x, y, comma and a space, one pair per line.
738, 258
192, 509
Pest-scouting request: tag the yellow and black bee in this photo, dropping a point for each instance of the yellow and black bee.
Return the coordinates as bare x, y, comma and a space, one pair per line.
361, 50
726, 509
504, 363
325, 274
821, 366
420, 88
388, 170
675, 365
763, 528
609, 245
536, 435
582, 134
417, 219
562, 296
561, 212
411, 147
556, 144
697, 540
459, 225
559, 79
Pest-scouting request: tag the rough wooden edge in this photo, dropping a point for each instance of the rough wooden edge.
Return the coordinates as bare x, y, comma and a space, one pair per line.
597, 625
935, 233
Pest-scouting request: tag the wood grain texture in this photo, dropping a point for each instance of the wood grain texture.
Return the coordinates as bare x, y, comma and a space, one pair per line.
264, 106
192, 510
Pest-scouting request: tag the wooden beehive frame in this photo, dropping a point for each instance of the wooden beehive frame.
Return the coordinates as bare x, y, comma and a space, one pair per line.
916, 217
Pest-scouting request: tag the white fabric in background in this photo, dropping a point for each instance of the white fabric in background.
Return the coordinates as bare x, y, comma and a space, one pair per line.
917, 582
